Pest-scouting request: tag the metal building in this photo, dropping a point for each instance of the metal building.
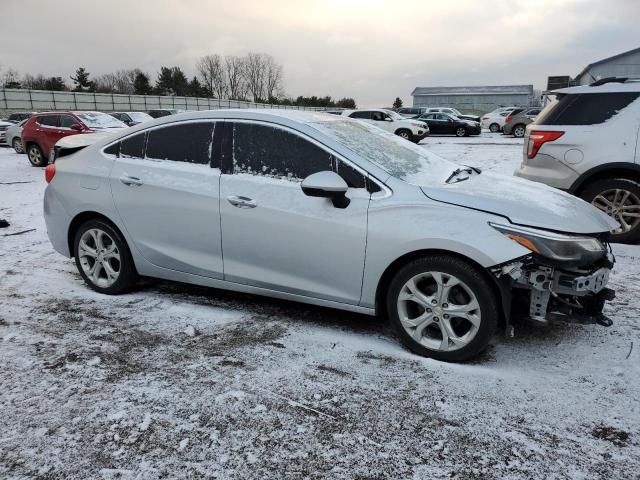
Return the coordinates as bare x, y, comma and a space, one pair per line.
478, 99
626, 64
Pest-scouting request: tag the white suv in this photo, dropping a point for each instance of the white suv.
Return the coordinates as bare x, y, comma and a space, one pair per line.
586, 142
391, 121
495, 120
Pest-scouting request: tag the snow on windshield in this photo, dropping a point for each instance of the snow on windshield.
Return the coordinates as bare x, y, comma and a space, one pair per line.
140, 116
100, 120
396, 156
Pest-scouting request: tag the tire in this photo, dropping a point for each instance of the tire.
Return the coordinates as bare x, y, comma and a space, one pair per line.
494, 128
519, 130
17, 145
404, 133
461, 132
465, 338
36, 157
619, 198
89, 238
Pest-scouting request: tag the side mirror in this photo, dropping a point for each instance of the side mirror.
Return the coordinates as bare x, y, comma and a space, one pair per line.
388, 119
327, 184
77, 127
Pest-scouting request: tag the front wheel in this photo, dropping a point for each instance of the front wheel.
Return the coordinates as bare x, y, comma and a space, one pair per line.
620, 199
461, 132
36, 157
442, 307
103, 258
406, 134
494, 128
17, 145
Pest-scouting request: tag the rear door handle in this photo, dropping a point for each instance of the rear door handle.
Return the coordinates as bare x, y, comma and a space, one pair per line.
130, 181
241, 202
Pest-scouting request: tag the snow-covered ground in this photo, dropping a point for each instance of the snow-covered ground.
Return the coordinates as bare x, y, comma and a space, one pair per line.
177, 381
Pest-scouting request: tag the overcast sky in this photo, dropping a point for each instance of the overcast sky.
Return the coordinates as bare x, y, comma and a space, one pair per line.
372, 50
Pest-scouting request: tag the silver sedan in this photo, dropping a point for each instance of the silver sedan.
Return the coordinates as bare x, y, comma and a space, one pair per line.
325, 210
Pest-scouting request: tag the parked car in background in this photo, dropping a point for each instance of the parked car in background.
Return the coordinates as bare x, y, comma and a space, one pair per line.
17, 117
41, 132
586, 142
13, 136
3, 131
411, 112
391, 121
163, 112
447, 247
445, 124
516, 122
453, 112
494, 121
131, 118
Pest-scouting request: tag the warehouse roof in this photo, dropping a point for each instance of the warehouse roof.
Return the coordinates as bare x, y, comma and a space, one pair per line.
604, 60
476, 90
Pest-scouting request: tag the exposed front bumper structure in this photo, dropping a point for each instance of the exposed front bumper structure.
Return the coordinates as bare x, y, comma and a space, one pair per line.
543, 292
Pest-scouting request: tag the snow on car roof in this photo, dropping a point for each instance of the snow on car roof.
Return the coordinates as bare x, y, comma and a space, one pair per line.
632, 86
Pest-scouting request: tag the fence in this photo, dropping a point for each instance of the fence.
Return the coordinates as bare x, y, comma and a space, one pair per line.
44, 100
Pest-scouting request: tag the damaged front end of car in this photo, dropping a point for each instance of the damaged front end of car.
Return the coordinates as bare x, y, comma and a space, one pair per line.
564, 278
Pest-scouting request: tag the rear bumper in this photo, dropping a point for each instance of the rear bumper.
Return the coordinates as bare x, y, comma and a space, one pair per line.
506, 129
57, 221
548, 170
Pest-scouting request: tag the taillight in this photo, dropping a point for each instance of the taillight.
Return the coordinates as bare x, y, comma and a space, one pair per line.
49, 172
537, 138
508, 119
486, 117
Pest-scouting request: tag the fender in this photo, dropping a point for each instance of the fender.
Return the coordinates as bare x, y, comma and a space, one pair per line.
632, 168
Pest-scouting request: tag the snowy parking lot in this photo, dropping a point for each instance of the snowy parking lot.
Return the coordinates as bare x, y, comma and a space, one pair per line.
177, 381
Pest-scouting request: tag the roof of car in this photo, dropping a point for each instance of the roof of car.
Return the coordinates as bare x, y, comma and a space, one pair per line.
632, 85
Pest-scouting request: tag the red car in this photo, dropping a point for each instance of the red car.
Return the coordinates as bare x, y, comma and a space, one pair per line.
41, 132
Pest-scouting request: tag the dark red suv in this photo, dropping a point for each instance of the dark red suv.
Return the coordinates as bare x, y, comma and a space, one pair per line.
41, 132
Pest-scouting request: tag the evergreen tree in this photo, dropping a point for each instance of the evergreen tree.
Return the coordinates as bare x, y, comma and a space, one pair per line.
171, 81
82, 82
397, 103
195, 89
141, 85
55, 83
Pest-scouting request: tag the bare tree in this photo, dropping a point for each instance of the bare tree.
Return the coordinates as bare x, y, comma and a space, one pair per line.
273, 78
212, 74
117, 82
11, 79
254, 74
235, 74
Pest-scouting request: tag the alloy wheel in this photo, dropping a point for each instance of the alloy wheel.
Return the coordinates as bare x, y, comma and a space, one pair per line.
439, 311
494, 128
461, 132
99, 257
17, 145
622, 205
35, 156
518, 132
404, 134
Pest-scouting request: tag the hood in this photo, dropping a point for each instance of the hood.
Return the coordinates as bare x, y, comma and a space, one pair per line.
524, 203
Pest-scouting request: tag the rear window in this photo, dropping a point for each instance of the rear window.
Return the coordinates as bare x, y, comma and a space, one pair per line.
585, 108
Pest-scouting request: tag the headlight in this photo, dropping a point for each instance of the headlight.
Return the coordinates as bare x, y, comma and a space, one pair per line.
419, 125
555, 246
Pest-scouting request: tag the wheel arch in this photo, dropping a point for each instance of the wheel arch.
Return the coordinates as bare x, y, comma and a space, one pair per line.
608, 170
398, 263
82, 217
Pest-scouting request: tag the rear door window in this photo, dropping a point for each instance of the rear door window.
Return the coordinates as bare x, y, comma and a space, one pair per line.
48, 120
586, 108
361, 114
187, 142
67, 120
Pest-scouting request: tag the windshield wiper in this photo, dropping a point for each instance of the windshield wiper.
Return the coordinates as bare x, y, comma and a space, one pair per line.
457, 172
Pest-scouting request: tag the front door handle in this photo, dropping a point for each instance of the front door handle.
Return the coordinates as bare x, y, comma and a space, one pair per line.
130, 181
241, 202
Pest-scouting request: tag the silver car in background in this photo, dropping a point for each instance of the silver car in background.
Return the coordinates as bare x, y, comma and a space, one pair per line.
13, 136
328, 211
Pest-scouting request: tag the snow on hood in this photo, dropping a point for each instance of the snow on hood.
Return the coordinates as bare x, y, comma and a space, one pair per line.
524, 203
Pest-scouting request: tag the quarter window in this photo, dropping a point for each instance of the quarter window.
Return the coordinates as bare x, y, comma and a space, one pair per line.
187, 142
133, 147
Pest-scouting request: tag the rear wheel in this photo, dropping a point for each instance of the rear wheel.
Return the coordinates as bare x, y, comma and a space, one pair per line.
36, 157
442, 307
461, 132
103, 258
620, 199
406, 134
17, 145
494, 128
519, 130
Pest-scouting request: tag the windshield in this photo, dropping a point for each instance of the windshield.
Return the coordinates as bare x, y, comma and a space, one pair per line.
140, 116
396, 156
100, 120
395, 115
